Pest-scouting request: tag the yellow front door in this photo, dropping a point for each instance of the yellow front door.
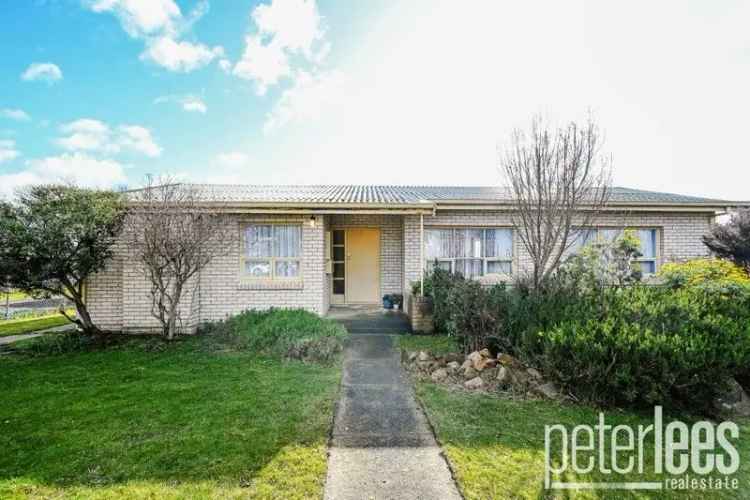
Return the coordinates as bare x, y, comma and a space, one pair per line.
363, 265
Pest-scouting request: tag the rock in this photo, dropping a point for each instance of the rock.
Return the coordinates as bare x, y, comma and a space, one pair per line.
470, 372
485, 353
412, 356
424, 365
475, 383
534, 374
452, 367
734, 402
476, 360
454, 356
548, 390
423, 356
507, 360
489, 374
439, 375
466, 364
518, 377
440, 362
503, 375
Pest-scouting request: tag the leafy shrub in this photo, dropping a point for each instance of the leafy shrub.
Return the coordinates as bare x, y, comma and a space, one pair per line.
603, 263
289, 333
652, 345
701, 272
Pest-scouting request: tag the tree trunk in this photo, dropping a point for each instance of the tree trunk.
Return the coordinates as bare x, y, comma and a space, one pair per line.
84, 318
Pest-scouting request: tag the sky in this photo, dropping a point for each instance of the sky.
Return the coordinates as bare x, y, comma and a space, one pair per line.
104, 92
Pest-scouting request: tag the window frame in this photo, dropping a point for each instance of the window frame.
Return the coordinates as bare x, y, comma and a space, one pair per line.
656, 259
429, 263
272, 277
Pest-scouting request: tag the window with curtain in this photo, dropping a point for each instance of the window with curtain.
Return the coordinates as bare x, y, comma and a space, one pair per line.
647, 237
470, 251
271, 251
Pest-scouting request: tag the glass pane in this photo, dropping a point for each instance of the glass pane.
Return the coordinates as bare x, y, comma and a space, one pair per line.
258, 241
648, 267
469, 267
258, 268
435, 241
287, 269
286, 241
338, 237
498, 243
338, 270
498, 267
442, 264
338, 287
338, 253
582, 237
610, 235
648, 242
469, 243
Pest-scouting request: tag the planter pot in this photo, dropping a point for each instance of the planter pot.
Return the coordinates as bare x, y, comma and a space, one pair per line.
387, 304
420, 314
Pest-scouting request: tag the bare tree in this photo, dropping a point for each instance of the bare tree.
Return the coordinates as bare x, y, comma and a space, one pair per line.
174, 236
558, 181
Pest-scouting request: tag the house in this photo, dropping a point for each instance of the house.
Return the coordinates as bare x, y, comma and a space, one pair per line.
312, 247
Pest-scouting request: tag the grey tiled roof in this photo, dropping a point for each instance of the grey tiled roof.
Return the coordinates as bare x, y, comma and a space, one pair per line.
409, 195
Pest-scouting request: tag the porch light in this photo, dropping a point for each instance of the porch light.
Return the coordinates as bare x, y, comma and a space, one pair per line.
312, 221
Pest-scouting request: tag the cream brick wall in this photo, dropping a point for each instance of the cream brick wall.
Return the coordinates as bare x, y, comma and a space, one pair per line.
119, 296
679, 234
120, 300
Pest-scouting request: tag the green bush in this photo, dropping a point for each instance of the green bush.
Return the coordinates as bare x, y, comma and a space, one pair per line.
701, 272
652, 345
287, 333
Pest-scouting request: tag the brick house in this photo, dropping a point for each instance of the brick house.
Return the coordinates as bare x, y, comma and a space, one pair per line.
312, 247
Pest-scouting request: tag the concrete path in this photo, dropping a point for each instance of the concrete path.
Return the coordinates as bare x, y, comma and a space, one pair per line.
382, 446
15, 338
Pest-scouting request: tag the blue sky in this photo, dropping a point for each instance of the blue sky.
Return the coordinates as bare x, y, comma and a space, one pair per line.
422, 92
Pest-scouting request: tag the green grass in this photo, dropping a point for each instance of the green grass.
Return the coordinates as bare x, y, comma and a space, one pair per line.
436, 344
145, 419
30, 325
14, 296
496, 446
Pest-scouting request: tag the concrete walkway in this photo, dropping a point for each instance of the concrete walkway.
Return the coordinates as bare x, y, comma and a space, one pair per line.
382, 446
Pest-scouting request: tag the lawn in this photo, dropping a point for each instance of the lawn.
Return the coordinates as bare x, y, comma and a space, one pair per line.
496, 446
144, 419
436, 344
29, 325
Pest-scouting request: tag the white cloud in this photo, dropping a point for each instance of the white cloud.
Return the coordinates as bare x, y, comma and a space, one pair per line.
140, 18
96, 136
265, 64
45, 72
306, 101
87, 135
283, 28
176, 55
8, 150
225, 65
161, 24
189, 102
78, 168
139, 139
15, 114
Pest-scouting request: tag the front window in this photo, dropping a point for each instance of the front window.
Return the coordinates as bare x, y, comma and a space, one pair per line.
470, 251
271, 251
647, 237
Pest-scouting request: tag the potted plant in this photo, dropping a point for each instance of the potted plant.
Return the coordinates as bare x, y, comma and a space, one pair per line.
387, 302
398, 300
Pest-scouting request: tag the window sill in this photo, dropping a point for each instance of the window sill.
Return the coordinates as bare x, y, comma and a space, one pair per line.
270, 284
